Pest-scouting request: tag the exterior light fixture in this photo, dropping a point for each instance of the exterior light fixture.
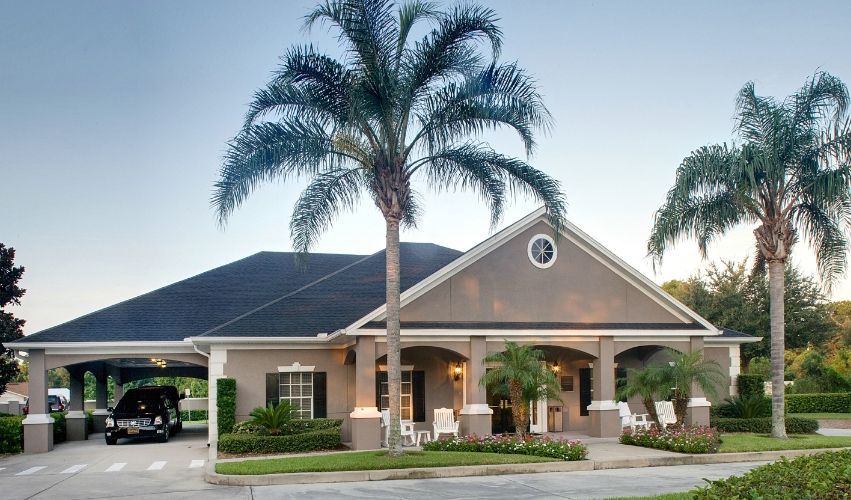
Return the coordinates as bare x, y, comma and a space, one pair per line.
457, 371
556, 368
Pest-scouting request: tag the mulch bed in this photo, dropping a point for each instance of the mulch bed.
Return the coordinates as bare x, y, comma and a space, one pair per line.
834, 424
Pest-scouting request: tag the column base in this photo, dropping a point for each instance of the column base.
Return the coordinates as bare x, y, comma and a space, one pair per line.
476, 419
697, 412
38, 433
99, 421
366, 428
605, 419
75, 426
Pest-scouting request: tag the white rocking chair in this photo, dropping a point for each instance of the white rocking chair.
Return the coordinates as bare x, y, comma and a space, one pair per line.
632, 420
407, 430
665, 412
444, 422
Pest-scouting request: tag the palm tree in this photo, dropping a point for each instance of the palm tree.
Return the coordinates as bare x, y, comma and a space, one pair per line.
521, 369
391, 112
648, 384
790, 177
686, 371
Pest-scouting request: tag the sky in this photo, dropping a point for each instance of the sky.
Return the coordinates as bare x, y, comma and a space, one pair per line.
114, 116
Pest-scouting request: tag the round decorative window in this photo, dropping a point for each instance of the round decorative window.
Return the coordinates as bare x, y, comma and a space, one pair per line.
542, 251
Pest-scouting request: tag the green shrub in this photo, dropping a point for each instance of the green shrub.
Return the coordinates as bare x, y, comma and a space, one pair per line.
794, 425
749, 384
539, 447
90, 422
11, 434
818, 403
825, 475
226, 404
273, 418
196, 415
745, 407
58, 426
295, 426
698, 439
325, 439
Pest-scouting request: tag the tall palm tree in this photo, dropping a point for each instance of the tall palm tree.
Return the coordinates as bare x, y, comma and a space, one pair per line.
686, 371
790, 177
646, 383
522, 370
390, 112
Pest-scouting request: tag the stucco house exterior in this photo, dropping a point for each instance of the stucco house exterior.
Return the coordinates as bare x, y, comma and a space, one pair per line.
314, 335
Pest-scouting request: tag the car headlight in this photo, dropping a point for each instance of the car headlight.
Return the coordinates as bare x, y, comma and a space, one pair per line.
110, 422
158, 420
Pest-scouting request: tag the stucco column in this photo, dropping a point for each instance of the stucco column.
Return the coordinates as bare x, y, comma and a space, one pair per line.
38, 426
101, 403
697, 412
75, 419
117, 390
475, 416
603, 410
216, 370
365, 417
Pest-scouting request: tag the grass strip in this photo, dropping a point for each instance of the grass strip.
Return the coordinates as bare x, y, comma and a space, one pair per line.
740, 442
371, 460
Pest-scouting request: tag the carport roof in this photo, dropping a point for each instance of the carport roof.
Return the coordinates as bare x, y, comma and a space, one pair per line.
266, 294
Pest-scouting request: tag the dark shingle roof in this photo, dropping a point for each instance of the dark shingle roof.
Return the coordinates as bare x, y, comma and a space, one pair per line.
726, 332
265, 294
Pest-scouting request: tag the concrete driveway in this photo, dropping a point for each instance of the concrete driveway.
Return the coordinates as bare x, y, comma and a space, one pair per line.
91, 469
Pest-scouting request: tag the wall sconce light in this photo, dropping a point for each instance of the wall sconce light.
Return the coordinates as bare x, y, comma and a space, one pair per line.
457, 371
556, 368
159, 362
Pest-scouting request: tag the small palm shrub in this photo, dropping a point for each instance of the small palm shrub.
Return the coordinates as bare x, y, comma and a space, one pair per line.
753, 406
274, 418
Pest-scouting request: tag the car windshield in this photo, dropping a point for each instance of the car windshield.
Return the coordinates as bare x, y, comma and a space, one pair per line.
137, 405
53, 399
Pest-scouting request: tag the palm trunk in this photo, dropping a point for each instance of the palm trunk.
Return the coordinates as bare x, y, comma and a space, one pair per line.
519, 411
680, 406
776, 292
650, 406
394, 348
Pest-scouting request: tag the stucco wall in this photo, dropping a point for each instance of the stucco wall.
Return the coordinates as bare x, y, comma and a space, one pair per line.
505, 286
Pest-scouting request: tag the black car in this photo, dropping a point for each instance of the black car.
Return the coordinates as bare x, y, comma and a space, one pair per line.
149, 411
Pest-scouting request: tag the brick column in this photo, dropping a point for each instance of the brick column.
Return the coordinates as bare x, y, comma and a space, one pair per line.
605, 420
475, 416
697, 412
38, 425
365, 417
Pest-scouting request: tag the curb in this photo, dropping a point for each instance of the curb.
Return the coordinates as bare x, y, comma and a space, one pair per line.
212, 477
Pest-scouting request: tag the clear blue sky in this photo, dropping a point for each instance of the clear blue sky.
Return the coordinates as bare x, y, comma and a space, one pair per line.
114, 116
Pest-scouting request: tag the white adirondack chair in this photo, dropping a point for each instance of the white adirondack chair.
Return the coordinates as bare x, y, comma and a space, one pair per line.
444, 422
632, 420
665, 411
407, 429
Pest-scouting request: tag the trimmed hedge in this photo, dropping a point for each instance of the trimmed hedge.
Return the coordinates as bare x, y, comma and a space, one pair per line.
295, 426
750, 385
226, 405
794, 425
196, 414
535, 446
825, 475
58, 427
90, 422
11, 434
818, 403
324, 439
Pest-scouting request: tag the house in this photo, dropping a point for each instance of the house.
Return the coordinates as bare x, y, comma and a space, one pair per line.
15, 391
315, 334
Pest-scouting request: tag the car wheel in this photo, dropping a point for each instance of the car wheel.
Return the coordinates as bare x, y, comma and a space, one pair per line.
164, 438
111, 440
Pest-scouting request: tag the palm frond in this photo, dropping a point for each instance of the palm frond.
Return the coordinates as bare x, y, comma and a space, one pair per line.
826, 237
409, 14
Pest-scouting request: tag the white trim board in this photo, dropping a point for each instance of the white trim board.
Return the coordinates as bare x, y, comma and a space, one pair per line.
463, 332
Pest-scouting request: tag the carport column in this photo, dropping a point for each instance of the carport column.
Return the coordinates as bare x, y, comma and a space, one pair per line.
697, 412
366, 419
216, 370
38, 426
117, 390
603, 410
101, 403
75, 420
475, 416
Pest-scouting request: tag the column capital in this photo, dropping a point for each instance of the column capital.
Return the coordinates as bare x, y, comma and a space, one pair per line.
476, 409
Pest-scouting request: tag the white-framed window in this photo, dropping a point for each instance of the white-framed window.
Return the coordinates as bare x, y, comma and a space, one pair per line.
542, 251
297, 389
407, 400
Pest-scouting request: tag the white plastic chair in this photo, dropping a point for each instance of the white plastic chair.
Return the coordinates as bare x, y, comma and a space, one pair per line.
665, 412
444, 422
407, 430
632, 420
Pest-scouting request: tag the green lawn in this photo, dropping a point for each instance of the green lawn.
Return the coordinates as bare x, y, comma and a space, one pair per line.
823, 416
371, 460
732, 443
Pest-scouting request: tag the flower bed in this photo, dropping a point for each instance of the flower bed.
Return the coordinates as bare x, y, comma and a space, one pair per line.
530, 445
680, 439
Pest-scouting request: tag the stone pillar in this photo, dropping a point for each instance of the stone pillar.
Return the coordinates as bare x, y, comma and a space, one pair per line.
475, 416
697, 412
38, 426
605, 419
75, 419
366, 419
101, 403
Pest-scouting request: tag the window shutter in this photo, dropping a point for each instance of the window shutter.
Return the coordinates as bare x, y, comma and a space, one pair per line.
584, 390
379, 378
320, 401
418, 395
272, 391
